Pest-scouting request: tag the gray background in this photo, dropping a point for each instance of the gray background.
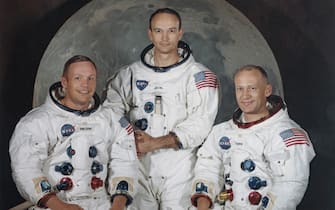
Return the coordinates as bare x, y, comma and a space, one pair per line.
300, 34
113, 33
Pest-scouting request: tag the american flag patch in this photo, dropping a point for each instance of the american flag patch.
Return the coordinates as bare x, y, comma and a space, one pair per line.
294, 136
125, 124
206, 79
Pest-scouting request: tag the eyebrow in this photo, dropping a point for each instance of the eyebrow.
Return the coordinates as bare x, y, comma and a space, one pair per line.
162, 28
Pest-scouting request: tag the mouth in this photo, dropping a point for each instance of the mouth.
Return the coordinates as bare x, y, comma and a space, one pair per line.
246, 103
165, 44
84, 92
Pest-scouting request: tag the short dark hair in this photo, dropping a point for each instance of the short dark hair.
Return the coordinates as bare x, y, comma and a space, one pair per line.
75, 59
165, 10
250, 67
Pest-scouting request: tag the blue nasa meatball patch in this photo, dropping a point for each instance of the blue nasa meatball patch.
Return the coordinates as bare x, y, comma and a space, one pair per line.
67, 130
141, 84
224, 143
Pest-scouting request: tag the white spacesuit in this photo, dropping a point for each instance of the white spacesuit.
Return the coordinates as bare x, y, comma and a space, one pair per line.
55, 149
258, 165
182, 98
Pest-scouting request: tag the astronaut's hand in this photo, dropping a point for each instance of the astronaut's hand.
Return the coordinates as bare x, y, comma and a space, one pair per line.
119, 203
55, 203
68, 206
203, 203
143, 142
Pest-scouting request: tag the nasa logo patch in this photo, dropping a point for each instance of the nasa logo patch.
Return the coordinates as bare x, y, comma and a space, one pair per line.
141, 84
67, 130
224, 143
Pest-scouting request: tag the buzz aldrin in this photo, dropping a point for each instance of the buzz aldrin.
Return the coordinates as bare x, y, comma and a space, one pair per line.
261, 165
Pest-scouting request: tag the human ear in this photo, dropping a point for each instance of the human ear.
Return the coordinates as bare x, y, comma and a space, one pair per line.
181, 33
268, 90
64, 82
149, 34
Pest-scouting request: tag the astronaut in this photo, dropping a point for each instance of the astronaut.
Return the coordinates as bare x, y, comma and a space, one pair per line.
172, 102
257, 160
65, 152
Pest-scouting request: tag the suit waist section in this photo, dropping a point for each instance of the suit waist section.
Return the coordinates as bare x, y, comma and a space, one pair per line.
168, 162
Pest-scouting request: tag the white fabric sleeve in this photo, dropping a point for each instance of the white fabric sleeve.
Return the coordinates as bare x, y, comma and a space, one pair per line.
290, 166
119, 91
209, 168
28, 149
123, 163
202, 107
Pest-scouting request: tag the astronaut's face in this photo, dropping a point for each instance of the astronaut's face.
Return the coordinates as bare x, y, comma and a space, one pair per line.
251, 91
79, 84
165, 33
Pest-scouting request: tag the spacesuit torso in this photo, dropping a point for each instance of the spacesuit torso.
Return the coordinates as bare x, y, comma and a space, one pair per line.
55, 149
182, 98
263, 165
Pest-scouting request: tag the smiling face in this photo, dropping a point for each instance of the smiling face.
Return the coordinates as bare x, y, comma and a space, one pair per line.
79, 84
251, 91
164, 33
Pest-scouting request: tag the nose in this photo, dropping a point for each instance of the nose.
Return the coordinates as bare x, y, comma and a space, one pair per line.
245, 93
84, 82
165, 36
